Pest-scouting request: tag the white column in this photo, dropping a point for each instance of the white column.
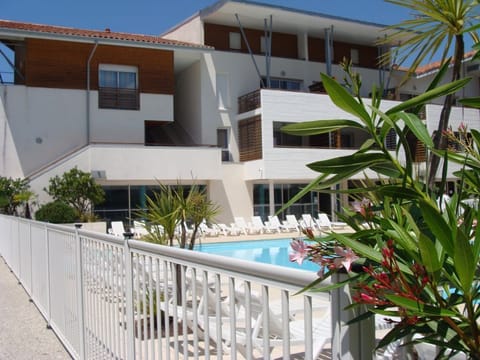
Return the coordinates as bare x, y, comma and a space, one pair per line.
355, 341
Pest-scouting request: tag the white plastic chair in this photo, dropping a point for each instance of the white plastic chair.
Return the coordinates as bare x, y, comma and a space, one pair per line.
325, 223
291, 221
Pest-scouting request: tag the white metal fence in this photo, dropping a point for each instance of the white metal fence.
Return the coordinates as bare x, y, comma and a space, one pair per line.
124, 299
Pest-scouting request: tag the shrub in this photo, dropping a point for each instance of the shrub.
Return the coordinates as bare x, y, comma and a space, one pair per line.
56, 212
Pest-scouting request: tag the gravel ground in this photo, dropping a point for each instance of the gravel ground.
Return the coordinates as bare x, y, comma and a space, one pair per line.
23, 331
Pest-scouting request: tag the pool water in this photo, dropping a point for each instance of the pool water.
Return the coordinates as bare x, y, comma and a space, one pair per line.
273, 252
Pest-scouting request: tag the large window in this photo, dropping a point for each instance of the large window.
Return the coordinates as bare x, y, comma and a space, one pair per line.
122, 203
118, 87
308, 204
281, 139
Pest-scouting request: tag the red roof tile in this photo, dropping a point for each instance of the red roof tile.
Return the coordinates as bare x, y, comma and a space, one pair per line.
96, 34
425, 69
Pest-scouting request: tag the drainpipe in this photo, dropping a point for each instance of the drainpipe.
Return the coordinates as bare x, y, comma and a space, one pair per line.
328, 49
88, 90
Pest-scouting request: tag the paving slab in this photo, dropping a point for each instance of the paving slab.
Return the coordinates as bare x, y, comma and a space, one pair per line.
23, 330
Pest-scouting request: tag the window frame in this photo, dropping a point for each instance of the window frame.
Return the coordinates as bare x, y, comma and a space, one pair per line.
117, 96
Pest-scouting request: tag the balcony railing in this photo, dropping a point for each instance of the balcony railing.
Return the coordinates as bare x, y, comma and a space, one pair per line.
249, 102
109, 297
118, 98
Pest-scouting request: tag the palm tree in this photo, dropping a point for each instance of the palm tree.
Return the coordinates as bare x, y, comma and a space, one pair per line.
437, 26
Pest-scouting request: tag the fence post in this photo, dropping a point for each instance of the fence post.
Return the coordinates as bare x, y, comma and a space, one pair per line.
47, 263
80, 301
31, 259
349, 342
129, 300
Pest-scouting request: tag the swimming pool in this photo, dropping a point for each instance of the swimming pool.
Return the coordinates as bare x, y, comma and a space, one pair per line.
273, 252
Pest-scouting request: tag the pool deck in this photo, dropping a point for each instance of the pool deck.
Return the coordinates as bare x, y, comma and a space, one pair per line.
23, 331
265, 236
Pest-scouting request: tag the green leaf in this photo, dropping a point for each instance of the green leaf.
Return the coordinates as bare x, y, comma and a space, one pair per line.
343, 99
465, 265
417, 126
403, 238
476, 137
429, 95
473, 102
429, 254
319, 127
387, 168
417, 308
438, 226
367, 145
398, 192
346, 163
359, 248
459, 158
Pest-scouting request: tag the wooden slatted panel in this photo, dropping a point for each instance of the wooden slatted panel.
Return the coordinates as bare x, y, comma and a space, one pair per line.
115, 98
250, 138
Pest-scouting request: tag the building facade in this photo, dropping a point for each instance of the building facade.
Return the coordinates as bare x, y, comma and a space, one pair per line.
203, 103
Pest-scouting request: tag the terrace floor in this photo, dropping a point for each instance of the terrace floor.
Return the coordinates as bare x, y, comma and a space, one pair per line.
23, 330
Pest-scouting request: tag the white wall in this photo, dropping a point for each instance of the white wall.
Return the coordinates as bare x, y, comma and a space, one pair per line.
232, 193
133, 164
188, 102
128, 126
163, 163
468, 116
191, 31
45, 123
9, 161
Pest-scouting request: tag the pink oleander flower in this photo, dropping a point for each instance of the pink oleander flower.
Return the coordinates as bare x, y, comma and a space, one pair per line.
300, 251
363, 207
345, 259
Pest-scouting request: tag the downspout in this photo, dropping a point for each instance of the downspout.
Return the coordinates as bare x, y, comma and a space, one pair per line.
88, 90
328, 49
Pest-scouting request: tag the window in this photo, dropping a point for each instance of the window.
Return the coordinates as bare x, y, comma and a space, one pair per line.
235, 41
118, 87
223, 143
355, 56
284, 84
281, 139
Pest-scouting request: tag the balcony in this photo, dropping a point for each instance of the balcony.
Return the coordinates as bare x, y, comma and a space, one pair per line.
117, 98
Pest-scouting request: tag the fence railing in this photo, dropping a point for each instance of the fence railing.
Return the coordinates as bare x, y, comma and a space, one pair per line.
107, 297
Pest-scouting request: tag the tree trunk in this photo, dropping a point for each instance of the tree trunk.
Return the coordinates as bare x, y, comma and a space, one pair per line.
440, 141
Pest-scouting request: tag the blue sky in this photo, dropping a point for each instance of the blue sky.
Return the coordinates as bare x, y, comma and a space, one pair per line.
156, 16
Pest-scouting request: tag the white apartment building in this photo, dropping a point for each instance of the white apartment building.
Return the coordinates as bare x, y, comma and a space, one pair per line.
202, 103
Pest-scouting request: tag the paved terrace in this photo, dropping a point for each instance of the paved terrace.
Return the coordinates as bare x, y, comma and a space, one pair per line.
23, 330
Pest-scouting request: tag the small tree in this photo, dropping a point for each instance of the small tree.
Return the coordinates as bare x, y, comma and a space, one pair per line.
13, 193
78, 189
